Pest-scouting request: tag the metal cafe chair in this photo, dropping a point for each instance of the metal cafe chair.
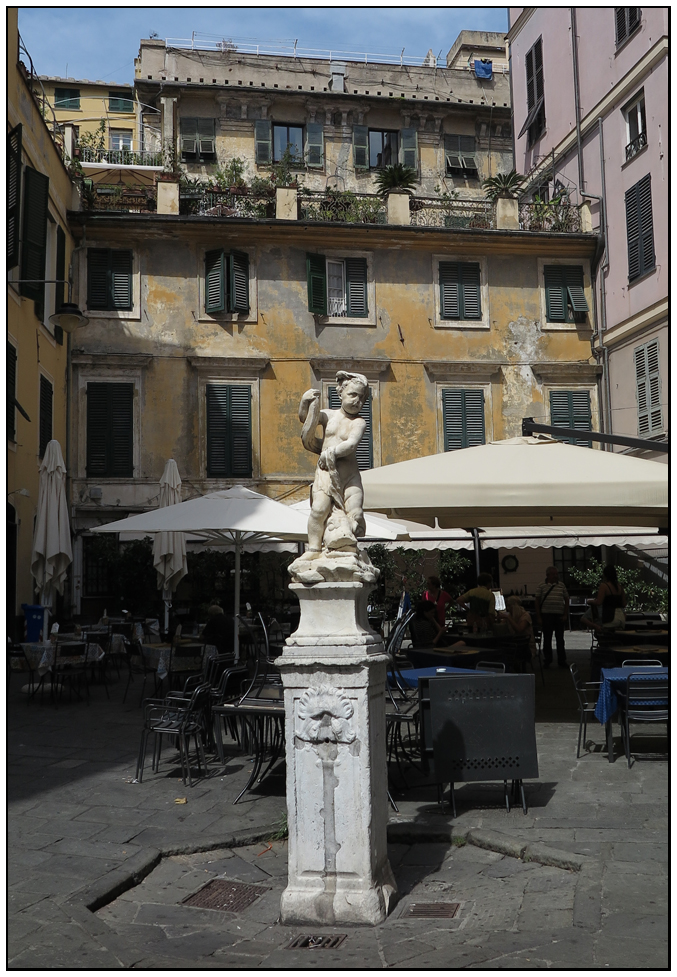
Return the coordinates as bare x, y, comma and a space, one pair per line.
587, 693
644, 700
178, 718
497, 667
644, 663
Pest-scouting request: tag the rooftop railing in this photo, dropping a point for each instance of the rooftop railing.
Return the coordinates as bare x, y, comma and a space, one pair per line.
343, 207
552, 216
441, 212
117, 199
120, 157
237, 202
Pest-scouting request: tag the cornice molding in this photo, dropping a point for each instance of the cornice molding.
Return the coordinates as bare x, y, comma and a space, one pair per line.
230, 366
458, 369
130, 361
371, 368
566, 372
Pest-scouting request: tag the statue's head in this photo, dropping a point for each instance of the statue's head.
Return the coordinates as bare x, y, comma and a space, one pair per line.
353, 389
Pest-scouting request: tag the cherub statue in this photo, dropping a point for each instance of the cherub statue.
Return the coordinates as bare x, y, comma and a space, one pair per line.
336, 517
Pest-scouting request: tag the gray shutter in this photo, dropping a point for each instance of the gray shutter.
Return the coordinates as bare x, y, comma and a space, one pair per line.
555, 294
642, 380
121, 429
316, 271
189, 138
34, 237
97, 430
361, 147
239, 282
648, 259
365, 449
46, 407
409, 148
462, 418
634, 18
241, 431
573, 276
11, 391
473, 405
621, 25
356, 287
450, 299
97, 278
13, 195
531, 88
314, 145
228, 431
215, 282
206, 137
571, 408
121, 280
263, 141
470, 280
654, 378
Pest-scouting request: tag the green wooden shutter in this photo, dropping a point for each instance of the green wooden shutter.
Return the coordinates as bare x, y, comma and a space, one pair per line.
555, 293
462, 418
314, 145
110, 431
97, 278
263, 142
450, 297
11, 391
639, 227
241, 431
471, 295
573, 278
206, 137
361, 147
218, 453
97, 430
239, 282
229, 452
365, 449
13, 195
215, 281
34, 246
409, 148
356, 287
46, 407
121, 280
316, 271
189, 137
571, 408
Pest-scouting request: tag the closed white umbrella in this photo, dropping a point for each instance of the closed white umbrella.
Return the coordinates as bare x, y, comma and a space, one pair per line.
52, 552
235, 515
169, 549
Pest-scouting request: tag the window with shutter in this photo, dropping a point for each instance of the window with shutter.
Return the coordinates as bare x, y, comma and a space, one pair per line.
229, 439
121, 279
13, 195
197, 140
110, 430
109, 280
647, 374
639, 226
120, 102
34, 236
263, 147
356, 287
288, 138
628, 20
409, 148
565, 299
535, 120
215, 281
46, 406
316, 271
459, 153
239, 282
11, 391
66, 98
365, 449
361, 147
460, 290
383, 148
462, 418
314, 145
571, 408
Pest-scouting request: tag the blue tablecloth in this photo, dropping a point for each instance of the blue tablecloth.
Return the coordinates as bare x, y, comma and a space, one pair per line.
410, 676
607, 703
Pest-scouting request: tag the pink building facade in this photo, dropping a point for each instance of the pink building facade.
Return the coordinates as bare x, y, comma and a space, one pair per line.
590, 104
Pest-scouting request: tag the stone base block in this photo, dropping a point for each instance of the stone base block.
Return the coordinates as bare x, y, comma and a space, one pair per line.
347, 905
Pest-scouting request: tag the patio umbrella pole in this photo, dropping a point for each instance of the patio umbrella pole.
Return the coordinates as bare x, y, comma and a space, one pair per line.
476, 541
236, 635
167, 598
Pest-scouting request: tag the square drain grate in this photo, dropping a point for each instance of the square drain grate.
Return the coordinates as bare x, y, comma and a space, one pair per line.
229, 897
305, 942
433, 910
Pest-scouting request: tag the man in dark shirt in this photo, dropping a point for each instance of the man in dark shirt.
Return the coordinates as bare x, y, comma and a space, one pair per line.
218, 630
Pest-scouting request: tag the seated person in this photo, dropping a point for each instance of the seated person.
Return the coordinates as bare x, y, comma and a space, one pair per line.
519, 621
480, 603
425, 628
219, 631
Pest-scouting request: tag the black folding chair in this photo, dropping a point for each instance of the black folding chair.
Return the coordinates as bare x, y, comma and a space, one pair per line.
587, 693
645, 700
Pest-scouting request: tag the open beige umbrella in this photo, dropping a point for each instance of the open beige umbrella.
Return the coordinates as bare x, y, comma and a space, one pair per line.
169, 549
52, 552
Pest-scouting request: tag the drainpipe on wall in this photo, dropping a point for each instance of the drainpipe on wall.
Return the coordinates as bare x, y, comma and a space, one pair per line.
577, 99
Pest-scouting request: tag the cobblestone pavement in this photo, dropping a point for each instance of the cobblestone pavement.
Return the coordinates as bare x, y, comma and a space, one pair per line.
580, 882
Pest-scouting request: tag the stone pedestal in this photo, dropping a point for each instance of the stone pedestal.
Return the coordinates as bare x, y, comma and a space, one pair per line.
334, 673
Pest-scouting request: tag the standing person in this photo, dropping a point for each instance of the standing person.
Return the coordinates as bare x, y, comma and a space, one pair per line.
480, 603
611, 598
219, 630
552, 610
440, 598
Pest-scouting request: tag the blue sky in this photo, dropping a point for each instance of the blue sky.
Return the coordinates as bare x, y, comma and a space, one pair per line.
102, 42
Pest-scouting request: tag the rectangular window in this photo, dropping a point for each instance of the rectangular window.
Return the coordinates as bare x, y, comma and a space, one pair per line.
198, 140
288, 138
635, 126
46, 407
120, 102
361, 147
337, 287
34, 244
365, 449
462, 418
460, 293
13, 195
639, 226
11, 392
226, 281
409, 148
535, 120
109, 279
571, 408
647, 373
628, 20
121, 139
382, 148
565, 299
110, 430
229, 431
263, 141
66, 98
314, 145
95, 567
459, 155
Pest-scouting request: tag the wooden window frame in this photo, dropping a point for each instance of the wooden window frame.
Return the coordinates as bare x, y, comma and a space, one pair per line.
370, 318
227, 375
74, 96
107, 374
463, 384
590, 388
124, 314
227, 315
109, 474
646, 263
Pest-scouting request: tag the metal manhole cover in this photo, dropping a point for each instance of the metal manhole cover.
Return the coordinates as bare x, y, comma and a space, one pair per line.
305, 942
229, 897
433, 910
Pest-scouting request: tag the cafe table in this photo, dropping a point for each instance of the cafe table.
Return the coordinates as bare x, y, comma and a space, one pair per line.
410, 676
607, 702
40, 655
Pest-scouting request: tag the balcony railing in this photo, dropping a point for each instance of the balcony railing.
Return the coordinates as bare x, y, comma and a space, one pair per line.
634, 147
342, 207
550, 216
119, 157
238, 202
130, 200
440, 212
